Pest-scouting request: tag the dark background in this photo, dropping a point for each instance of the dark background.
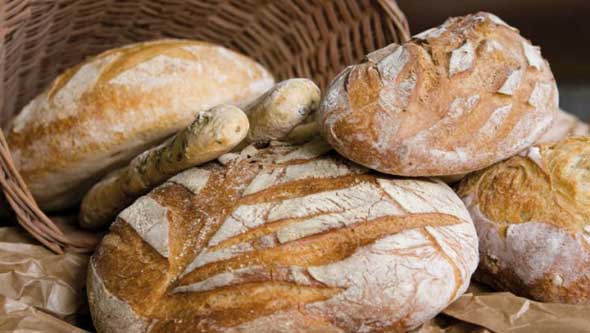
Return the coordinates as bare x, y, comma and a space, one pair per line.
560, 27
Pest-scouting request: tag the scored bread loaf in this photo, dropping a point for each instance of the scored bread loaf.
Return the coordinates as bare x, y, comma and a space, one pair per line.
283, 239
454, 99
98, 115
532, 214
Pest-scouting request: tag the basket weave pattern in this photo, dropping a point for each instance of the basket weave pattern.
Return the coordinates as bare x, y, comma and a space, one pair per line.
293, 38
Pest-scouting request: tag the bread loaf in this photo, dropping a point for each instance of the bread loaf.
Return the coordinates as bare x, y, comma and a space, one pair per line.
283, 239
454, 99
213, 133
532, 214
563, 126
101, 113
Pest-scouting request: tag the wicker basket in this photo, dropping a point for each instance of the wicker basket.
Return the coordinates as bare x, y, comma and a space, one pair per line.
294, 38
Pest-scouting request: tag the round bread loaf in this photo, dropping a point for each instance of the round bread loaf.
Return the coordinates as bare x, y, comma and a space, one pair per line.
452, 100
283, 239
101, 113
532, 214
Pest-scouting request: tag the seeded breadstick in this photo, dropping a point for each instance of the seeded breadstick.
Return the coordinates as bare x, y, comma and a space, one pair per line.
276, 113
212, 134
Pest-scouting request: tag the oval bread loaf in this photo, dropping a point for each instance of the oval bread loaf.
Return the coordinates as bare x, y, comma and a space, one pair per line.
101, 113
454, 99
283, 239
532, 214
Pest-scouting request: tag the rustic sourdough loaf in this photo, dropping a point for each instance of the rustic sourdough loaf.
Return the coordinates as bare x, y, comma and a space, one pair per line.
283, 239
532, 214
454, 99
101, 113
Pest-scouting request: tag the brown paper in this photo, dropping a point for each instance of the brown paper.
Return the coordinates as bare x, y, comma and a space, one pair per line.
32, 276
503, 312
20, 317
445, 324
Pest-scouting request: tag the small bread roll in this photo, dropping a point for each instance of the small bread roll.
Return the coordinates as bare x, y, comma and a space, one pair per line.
98, 115
274, 115
564, 125
212, 134
532, 214
283, 239
454, 99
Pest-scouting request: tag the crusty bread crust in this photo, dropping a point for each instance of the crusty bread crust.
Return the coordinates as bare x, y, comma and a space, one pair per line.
532, 214
101, 113
288, 236
563, 126
454, 99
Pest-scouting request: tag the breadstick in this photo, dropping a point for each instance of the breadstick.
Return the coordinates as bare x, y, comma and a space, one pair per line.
212, 134
276, 113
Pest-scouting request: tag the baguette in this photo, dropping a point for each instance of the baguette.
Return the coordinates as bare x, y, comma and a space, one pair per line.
212, 134
274, 115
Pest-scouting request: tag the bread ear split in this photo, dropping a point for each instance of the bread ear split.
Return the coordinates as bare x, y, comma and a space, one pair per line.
210, 135
283, 112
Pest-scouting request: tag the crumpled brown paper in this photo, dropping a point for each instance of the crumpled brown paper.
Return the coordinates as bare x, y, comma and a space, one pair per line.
482, 311
38, 286
503, 312
20, 317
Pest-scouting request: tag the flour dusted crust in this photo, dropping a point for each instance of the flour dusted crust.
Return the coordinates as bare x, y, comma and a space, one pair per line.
532, 214
454, 99
283, 239
105, 111
564, 125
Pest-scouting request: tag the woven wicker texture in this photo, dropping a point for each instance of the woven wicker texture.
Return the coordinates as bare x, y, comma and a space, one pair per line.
293, 38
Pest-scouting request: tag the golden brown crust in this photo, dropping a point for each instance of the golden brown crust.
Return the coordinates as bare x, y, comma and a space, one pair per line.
547, 185
452, 100
214, 277
99, 114
532, 213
